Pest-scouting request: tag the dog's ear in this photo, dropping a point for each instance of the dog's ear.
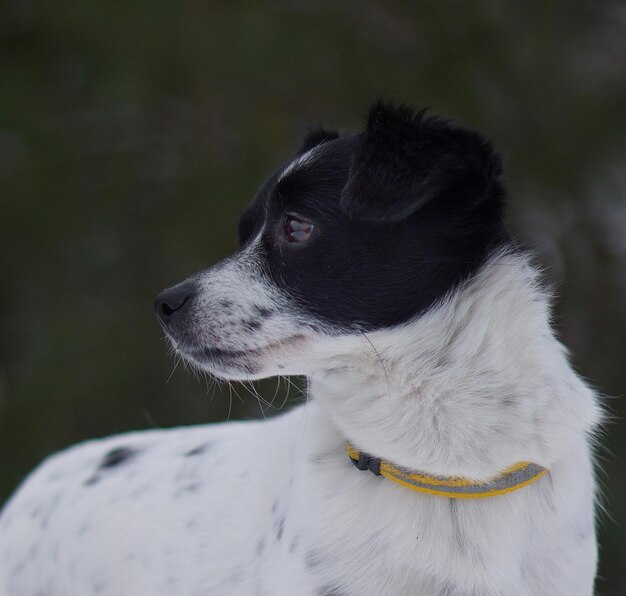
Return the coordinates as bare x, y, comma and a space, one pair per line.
316, 136
405, 159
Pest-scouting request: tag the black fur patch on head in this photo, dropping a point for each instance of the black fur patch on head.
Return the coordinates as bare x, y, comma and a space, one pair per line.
401, 214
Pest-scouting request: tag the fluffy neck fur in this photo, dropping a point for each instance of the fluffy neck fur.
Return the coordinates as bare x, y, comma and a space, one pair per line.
467, 389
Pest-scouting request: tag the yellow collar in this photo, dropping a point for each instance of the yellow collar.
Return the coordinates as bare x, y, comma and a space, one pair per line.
512, 479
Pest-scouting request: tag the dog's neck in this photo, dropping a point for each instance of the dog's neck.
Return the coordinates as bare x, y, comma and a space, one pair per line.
467, 389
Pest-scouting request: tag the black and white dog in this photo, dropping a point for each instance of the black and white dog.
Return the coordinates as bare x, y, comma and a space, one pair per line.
377, 265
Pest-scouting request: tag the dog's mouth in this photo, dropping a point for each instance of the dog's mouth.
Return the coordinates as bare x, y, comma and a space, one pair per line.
211, 353
220, 361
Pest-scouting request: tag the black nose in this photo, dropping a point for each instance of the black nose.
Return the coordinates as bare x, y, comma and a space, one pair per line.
171, 301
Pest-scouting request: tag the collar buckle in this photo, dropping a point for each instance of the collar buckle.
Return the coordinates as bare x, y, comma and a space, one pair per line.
367, 462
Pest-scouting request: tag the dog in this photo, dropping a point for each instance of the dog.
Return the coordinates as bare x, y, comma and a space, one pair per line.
378, 266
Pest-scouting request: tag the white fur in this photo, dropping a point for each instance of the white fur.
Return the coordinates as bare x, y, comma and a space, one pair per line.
301, 161
275, 508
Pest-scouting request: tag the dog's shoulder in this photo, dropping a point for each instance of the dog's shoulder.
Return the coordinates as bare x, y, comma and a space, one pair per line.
91, 507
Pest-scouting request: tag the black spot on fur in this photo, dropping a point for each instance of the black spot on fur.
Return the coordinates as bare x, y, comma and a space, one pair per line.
331, 591
312, 559
509, 401
199, 450
115, 457
263, 312
226, 303
280, 528
251, 324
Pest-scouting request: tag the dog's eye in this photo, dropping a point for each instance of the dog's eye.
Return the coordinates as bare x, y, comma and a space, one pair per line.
297, 230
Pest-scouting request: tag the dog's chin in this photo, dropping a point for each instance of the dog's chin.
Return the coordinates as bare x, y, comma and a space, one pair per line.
243, 365
235, 370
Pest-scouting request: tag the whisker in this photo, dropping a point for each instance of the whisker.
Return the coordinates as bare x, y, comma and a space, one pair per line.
381, 363
276, 390
290, 383
247, 385
230, 401
176, 363
232, 386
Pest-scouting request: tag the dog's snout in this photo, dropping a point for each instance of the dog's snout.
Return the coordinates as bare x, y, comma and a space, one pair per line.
171, 301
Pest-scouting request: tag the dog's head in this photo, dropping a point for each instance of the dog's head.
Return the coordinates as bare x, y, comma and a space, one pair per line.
357, 233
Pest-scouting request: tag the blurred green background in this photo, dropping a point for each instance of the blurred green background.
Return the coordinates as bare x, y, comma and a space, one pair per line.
132, 134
